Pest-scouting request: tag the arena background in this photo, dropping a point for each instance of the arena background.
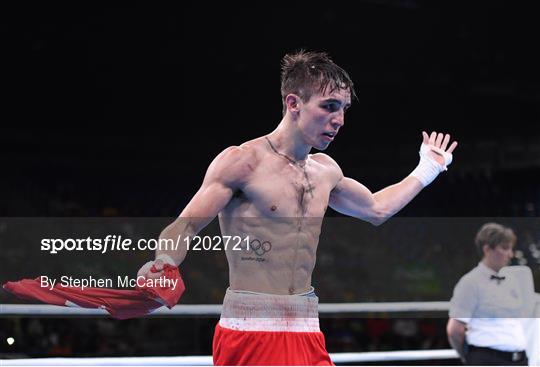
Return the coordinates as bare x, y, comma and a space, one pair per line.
115, 112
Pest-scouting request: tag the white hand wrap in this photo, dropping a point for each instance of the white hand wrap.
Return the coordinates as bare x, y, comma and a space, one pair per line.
166, 259
145, 269
429, 168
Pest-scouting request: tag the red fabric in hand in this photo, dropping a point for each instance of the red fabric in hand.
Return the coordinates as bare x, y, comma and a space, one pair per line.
120, 303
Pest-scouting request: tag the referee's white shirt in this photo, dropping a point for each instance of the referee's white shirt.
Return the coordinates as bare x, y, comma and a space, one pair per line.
490, 308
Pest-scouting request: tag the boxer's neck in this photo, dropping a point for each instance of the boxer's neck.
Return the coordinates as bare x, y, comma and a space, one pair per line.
288, 141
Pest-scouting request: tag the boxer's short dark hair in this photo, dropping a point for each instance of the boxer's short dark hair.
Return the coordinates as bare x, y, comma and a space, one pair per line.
307, 72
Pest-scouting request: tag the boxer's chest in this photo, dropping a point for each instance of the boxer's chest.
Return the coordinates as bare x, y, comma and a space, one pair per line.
291, 191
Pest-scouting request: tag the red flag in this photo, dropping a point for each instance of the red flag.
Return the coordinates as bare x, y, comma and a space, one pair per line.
121, 304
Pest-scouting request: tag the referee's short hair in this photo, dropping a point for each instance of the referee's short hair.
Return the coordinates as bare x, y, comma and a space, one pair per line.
494, 234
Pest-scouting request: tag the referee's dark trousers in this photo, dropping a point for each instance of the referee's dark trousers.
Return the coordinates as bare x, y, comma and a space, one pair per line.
480, 356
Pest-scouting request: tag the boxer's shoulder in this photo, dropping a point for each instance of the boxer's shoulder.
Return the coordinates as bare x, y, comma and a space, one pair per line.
235, 163
327, 163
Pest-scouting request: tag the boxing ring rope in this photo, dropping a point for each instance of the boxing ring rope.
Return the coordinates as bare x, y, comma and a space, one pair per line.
215, 310
207, 360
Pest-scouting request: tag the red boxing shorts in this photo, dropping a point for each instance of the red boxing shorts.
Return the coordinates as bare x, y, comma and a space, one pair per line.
264, 329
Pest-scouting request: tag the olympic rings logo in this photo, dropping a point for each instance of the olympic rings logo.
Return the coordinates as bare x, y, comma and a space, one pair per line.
258, 247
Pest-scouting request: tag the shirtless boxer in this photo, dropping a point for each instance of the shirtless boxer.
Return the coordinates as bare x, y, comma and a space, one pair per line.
272, 190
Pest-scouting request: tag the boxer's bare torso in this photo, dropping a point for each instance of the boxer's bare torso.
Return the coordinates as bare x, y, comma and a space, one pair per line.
272, 191
279, 204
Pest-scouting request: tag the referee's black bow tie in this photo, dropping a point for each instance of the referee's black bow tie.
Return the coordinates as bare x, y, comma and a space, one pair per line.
497, 278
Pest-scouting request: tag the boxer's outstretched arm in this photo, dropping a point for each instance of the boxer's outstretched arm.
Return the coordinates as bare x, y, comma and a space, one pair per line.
349, 197
352, 198
224, 176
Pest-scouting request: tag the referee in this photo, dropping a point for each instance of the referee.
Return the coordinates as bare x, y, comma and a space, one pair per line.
484, 325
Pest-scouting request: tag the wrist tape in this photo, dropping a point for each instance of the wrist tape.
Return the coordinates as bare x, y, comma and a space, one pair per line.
428, 168
166, 259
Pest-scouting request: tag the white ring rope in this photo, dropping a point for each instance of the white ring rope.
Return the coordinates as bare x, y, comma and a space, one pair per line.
215, 309
206, 309
405, 355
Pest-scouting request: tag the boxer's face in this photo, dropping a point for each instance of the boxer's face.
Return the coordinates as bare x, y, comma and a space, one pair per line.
320, 118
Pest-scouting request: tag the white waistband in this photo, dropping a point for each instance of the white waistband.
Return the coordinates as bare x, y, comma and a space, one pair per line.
309, 293
268, 312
